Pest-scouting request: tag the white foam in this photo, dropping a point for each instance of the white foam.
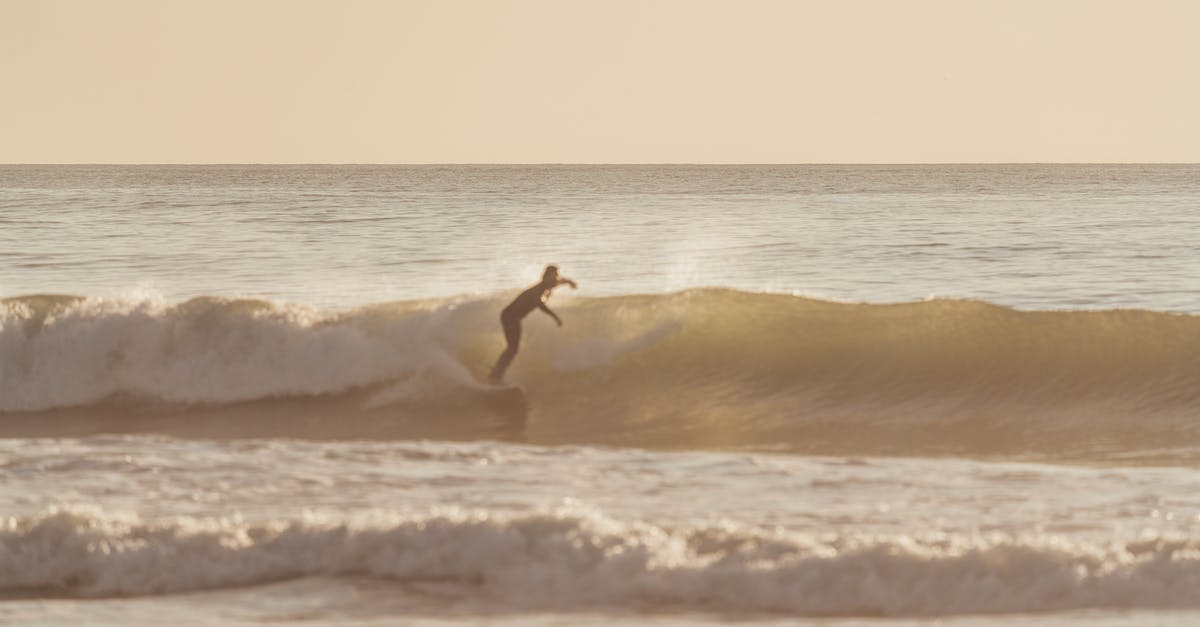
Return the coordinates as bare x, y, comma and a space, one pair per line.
216, 351
573, 558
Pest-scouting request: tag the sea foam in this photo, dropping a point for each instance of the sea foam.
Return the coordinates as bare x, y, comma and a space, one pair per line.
567, 559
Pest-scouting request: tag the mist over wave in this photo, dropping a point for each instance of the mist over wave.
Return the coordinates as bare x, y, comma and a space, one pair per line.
700, 368
568, 558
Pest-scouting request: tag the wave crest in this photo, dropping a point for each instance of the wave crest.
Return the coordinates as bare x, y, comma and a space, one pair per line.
709, 367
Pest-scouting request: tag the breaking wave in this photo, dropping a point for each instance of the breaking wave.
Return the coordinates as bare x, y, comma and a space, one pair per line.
567, 559
700, 368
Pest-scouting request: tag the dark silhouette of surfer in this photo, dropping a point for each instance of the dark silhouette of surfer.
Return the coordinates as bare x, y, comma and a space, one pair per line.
510, 319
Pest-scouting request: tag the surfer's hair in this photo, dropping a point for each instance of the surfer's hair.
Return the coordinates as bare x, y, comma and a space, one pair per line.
551, 271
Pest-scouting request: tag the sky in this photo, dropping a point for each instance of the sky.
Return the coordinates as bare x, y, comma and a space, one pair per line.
602, 81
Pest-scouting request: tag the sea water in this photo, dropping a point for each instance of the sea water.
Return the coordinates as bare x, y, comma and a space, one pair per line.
849, 395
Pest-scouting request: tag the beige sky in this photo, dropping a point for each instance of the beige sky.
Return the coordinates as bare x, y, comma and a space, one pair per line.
534, 81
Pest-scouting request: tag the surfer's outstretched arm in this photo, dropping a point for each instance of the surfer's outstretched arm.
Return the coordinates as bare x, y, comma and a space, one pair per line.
543, 307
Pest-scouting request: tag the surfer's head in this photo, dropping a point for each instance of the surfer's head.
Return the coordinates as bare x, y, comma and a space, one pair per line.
550, 275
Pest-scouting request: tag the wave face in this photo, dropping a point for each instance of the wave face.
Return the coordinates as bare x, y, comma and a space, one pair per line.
567, 558
701, 368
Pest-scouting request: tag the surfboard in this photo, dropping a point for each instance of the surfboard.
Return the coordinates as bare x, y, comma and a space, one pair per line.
507, 401
508, 394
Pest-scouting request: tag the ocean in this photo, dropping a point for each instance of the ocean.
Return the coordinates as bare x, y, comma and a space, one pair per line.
839, 395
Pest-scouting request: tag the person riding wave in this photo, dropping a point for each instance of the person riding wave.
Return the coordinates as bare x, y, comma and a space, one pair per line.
510, 318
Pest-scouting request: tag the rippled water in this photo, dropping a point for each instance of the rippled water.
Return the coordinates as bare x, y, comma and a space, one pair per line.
1031, 236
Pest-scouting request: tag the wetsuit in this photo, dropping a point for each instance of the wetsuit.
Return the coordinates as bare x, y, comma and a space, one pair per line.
510, 320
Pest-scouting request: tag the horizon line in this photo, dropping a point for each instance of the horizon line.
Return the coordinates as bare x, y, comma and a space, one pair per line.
586, 163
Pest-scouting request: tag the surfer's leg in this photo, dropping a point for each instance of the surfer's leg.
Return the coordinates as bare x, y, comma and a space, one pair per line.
512, 334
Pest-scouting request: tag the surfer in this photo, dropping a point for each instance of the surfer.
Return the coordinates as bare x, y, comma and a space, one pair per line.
510, 319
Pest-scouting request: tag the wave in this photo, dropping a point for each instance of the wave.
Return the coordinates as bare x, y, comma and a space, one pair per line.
570, 558
700, 368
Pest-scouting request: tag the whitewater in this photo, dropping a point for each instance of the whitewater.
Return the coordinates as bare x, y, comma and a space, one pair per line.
849, 395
